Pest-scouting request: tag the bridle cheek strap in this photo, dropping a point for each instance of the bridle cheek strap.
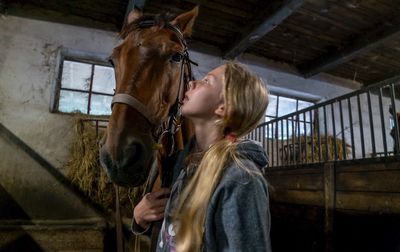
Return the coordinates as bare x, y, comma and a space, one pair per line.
136, 104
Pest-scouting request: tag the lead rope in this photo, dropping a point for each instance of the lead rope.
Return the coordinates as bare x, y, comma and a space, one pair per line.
150, 180
118, 222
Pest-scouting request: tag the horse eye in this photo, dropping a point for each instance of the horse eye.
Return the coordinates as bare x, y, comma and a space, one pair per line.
176, 57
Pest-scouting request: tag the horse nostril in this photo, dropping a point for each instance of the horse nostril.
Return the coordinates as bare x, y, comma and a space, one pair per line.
132, 153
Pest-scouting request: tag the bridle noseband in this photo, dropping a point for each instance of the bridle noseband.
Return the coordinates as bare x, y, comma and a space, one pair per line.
171, 125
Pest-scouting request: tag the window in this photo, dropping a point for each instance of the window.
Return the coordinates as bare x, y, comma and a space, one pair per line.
280, 106
85, 86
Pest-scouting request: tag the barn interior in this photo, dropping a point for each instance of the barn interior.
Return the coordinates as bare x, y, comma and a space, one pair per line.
331, 130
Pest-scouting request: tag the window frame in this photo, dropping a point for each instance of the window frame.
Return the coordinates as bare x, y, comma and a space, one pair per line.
297, 120
92, 58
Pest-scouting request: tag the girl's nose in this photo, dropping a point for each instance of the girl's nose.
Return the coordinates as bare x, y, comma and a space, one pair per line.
192, 84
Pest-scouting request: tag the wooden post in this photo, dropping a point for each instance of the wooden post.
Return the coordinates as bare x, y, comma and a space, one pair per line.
329, 195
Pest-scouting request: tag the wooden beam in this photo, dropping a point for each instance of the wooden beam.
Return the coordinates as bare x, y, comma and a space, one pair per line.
262, 29
222, 8
390, 80
3, 7
355, 48
28, 10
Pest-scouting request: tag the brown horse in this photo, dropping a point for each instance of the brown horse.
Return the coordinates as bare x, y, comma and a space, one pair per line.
152, 66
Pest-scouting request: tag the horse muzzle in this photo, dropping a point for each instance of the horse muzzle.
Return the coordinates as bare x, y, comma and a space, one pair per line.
129, 167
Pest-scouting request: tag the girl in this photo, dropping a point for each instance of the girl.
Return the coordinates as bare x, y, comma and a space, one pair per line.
219, 201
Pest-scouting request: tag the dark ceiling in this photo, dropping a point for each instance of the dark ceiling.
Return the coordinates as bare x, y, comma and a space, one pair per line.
353, 39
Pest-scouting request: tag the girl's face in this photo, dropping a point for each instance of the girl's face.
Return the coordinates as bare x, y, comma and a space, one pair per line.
204, 98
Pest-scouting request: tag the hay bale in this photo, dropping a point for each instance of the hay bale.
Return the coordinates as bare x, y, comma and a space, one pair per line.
327, 149
84, 170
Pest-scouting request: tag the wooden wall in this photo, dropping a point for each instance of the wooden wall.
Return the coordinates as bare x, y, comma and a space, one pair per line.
336, 206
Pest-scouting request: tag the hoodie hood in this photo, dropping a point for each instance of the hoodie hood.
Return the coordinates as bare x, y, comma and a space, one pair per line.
252, 150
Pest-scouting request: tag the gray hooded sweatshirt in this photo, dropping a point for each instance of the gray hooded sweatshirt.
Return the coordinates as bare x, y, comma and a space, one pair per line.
238, 216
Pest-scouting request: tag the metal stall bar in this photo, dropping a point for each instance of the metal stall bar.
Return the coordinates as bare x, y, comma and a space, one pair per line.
272, 144
305, 138
396, 124
298, 139
353, 149
282, 145
361, 126
342, 131
319, 139
263, 136
326, 136
385, 152
371, 124
292, 148
287, 153
334, 132
269, 155
277, 142
312, 136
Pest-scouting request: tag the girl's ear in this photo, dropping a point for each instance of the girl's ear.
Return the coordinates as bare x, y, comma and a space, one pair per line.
220, 111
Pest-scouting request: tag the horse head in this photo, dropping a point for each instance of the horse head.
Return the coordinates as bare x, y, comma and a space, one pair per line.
151, 66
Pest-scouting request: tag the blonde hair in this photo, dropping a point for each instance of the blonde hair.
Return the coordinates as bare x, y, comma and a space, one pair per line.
246, 99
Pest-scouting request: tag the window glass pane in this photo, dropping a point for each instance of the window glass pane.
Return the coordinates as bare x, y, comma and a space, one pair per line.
283, 131
103, 80
76, 75
304, 104
71, 101
308, 117
286, 106
308, 129
301, 116
100, 105
303, 132
271, 110
301, 125
287, 128
267, 118
290, 127
281, 127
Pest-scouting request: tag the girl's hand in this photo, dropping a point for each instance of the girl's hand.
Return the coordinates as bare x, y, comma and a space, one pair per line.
151, 207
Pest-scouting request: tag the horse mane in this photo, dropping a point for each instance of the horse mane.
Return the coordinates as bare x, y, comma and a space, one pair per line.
159, 20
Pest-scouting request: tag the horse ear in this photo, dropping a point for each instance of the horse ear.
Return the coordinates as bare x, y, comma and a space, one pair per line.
185, 21
133, 15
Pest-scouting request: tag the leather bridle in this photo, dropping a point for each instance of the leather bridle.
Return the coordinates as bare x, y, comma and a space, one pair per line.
171, 125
